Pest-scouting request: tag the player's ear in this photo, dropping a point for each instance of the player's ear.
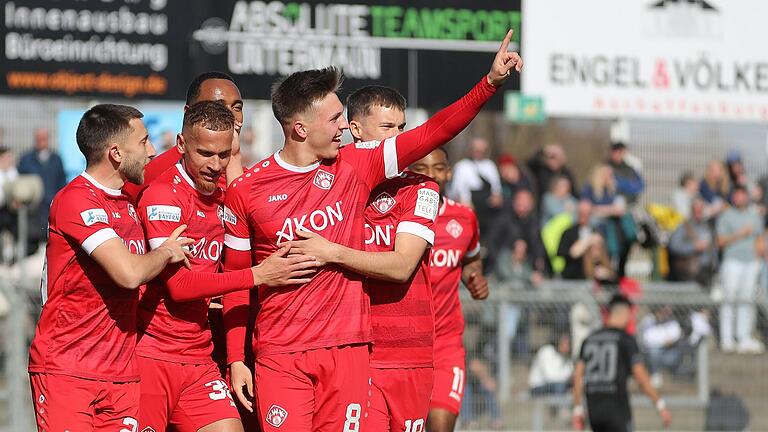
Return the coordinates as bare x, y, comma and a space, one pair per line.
180, 143
356, 130
300, 128
113, 153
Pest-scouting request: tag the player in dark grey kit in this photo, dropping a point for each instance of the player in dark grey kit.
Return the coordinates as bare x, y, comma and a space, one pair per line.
608, 357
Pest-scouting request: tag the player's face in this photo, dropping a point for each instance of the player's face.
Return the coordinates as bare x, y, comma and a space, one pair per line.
227, 92
206, 155
324, 124
434, 165
621, 314
380, 124
135, 150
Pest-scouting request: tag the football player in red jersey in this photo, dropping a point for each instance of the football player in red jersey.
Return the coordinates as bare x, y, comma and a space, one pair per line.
82, 368
180, 383
455, 257
312, 343
398, 231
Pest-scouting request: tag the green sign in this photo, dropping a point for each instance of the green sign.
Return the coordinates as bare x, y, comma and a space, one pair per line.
520, 108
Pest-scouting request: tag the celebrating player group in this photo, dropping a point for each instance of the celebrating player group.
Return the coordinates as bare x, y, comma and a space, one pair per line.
319, 285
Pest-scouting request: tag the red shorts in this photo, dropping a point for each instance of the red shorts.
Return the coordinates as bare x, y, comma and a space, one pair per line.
399, 399
450, 367
187, 396
75, 404
319, 390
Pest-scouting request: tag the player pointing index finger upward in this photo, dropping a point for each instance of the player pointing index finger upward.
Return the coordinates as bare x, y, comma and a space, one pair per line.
312, 341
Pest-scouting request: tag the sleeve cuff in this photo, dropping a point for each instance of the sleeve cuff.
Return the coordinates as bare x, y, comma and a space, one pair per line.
237, 243
474, 252
418, 230
96, 239
390, 158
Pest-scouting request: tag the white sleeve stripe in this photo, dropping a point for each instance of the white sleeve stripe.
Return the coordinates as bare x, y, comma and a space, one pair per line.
473, 252
237, 243
96, 239
390, 158
418, 230
155, 243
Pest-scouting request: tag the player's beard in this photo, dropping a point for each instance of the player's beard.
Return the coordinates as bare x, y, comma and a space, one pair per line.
203, 185
132, 170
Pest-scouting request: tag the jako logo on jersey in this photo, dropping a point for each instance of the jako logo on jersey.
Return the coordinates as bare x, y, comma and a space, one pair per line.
318, 220
148, 429
383, 203
93, 216
200, 214
444, 258
229, 217
275, 198
164, 213
207, 251
454, 228
276, 415
378, 234
323, 179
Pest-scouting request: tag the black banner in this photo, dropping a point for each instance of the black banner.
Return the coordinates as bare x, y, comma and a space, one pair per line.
430, 50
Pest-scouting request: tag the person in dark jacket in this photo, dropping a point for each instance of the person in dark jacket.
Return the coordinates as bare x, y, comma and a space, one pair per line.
44, 162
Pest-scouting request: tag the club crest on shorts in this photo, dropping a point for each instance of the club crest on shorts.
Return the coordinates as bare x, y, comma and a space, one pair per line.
323, 179
454, 228
276, 415
383, 203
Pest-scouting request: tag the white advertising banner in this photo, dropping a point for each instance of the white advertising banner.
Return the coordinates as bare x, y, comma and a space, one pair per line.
685, 59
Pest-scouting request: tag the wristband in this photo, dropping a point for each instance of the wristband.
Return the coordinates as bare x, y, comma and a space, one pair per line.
578, 411
661, 405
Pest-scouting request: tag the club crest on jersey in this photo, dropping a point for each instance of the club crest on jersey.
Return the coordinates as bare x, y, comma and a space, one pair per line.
220, 214
276, 416
132, 213
93, 216
384, 203
454, 228
323, 179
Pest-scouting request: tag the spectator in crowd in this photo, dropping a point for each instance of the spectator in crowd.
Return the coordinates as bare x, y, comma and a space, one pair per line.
715, 188
739, 234
737, 174
629, 182
558, 199
661, 336
476, 183
519, 223
168, 140
515, 272
513, 178
552, 367
44, 162
693, 255
480, 393
548, 163
683, 196
610, 211
8, 174
583, 249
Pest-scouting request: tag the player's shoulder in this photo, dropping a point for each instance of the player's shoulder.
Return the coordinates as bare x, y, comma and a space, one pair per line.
76, 191
416, 179
459, 209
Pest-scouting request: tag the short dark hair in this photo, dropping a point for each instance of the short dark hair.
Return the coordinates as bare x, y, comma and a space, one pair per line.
739, 188
212, 115
360, 102
618, 300
193, 91
296, 93
101, 125
686, 177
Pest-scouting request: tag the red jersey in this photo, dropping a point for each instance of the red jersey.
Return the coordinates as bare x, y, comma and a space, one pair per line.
266, 206
401, 314
456, 238
171, 330
87, 327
